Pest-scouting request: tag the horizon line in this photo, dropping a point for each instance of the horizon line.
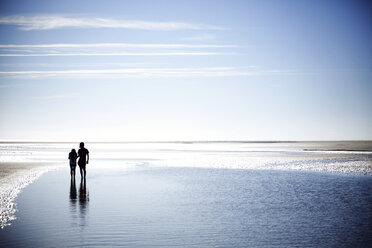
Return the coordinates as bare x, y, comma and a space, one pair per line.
191, 141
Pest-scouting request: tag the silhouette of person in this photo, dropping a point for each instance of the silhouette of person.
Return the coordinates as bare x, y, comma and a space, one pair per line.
72, 156
83, 155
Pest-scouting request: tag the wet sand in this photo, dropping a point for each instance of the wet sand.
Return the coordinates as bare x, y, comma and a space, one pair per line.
337, 146
14, 177
8, 168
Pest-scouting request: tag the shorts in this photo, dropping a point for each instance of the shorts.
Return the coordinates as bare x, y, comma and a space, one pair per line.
72, 165
82, 164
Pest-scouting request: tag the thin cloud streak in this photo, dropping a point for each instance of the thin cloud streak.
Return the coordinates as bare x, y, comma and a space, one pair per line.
141, 73
115, 45
110, 49
117, 54
48, 22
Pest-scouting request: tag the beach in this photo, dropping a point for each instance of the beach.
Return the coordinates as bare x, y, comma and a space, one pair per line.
14, 176
190, 195
191, 124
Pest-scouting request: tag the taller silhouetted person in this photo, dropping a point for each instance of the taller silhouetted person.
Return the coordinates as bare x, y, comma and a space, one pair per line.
83, 160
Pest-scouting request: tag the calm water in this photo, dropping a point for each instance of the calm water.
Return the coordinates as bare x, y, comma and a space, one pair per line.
193, 207
190, 195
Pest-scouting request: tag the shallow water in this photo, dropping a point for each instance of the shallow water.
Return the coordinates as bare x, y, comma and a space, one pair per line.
352, 158
283, 156
148, 206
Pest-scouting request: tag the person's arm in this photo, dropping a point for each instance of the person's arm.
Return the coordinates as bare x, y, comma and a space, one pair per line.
88, 158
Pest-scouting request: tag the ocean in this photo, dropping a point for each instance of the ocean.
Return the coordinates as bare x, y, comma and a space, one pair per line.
188, 194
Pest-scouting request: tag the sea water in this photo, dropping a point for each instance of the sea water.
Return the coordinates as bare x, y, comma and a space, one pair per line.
194, 195
229, 155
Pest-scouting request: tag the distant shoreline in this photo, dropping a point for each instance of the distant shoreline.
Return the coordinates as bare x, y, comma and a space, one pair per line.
307, 146
194, 141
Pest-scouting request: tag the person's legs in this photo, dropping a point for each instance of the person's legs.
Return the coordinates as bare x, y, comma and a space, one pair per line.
81, 171
85, 172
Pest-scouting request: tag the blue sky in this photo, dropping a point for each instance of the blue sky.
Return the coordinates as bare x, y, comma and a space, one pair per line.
185, 70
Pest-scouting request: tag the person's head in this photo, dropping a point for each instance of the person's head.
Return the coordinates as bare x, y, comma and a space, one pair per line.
73, 151
81, 144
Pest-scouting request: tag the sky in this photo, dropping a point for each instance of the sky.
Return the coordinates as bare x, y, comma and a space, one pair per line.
185, 70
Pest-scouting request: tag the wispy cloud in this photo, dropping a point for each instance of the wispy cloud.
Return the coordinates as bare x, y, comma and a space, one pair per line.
116, 54
142, 73
90, 65
111, 49
116, 45
48, 22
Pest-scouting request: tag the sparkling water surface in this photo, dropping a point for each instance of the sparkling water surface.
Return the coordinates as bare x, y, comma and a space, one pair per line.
193, 207
188, 195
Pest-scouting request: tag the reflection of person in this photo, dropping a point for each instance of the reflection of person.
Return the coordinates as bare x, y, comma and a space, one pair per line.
83, 160
83, 197
72, 156
73, 194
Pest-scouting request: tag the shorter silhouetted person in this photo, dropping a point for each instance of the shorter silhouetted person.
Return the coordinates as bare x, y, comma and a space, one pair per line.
83, 155
72, 156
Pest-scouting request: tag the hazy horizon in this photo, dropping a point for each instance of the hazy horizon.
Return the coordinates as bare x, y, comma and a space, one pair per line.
182, 141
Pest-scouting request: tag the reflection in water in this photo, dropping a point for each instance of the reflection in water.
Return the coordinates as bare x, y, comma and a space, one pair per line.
73, 193
73, 200
83, 198
195, 207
